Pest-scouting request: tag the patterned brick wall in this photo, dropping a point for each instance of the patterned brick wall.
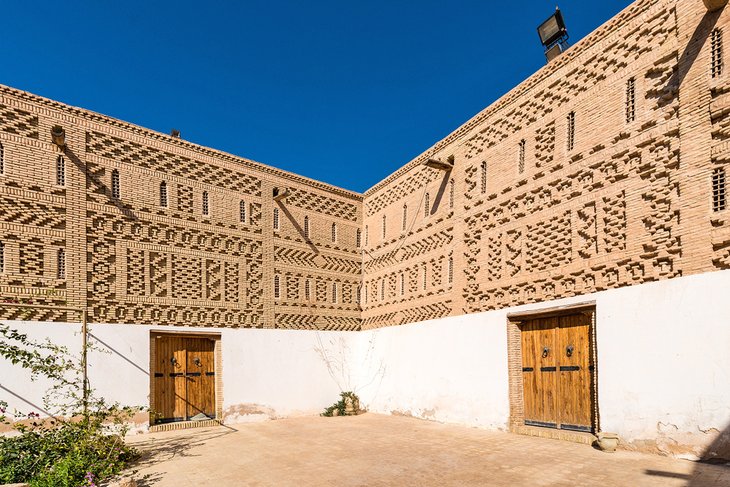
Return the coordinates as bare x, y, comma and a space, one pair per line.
524, 215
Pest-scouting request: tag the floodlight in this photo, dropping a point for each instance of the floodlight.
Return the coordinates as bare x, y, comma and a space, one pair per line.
553, 29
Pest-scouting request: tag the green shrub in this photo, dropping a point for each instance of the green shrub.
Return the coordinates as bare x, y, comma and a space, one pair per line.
341, 405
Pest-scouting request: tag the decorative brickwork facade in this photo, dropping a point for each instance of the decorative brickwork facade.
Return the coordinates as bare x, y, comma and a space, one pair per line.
603, 169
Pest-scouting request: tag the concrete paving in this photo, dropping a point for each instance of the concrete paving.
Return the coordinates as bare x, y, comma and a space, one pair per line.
376, 450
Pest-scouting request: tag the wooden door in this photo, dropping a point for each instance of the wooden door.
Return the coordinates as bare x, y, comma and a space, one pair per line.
557, 372
184, 378
200, 377
575, 381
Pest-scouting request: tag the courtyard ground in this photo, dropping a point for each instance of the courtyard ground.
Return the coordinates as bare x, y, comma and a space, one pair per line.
377, 450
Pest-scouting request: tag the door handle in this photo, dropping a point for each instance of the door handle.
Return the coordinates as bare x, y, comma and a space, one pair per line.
569, 350
545, 351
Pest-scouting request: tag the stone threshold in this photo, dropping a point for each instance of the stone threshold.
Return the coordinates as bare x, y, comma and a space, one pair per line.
556, 434
183, 425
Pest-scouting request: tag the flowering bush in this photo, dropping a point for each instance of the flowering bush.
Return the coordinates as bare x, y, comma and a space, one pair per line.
82, 445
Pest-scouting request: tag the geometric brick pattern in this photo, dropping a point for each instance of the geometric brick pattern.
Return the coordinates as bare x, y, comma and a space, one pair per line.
17, 121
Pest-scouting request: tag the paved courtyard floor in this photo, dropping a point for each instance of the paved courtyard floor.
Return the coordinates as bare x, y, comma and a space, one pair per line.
376, 450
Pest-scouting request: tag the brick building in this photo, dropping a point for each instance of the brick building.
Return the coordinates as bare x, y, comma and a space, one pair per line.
560, 260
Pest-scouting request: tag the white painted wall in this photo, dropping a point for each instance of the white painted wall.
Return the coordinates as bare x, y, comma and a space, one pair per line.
452, 370
663, 365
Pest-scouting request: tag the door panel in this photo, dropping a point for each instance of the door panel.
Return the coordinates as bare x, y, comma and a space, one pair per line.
184, 375
557, 372
575, 382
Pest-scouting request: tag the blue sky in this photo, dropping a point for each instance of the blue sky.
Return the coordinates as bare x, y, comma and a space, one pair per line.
343, 92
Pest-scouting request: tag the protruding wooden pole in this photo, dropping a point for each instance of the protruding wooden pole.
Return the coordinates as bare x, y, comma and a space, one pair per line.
713, 5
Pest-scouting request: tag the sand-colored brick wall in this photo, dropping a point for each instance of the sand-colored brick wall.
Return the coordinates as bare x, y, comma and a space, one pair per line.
556, 191
131, 259
629, 202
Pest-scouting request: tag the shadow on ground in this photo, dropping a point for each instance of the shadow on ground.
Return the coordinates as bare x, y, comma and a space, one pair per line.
165, 446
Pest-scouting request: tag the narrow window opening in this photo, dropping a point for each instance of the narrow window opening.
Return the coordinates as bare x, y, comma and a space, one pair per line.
60, 171
484, 177
405, 217
2, 159
717, 62
334, 292
719, 200
402, 284
630, 100
366, 235
306, 227
163, 194
426, 205
382, 289
2, 257
451, 270
61, 270
384, 226
116, 190
521, 162
307, 290
358, 238
451, 194
276, 219
334, 232
425, 277
571, 131
277, 287
242, 211
206, 204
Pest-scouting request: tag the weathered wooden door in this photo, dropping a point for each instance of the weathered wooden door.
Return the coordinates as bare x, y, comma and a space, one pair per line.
557, 372
184, 378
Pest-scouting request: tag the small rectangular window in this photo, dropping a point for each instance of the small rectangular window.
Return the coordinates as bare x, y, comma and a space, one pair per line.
242, 211
116, 190
484, 177
451, 270
357, 238
334, 232
402, 284
2, 257
277, 287
521, 157
61, 270
451, 193
2, 159
405, 218
206, 204
334, 292
60, 171
630, 100
384, 227
719, 200
276, 219
426, 205
425, 277
163, 194
306, 227
366, 235
571, 131
307, 290
717, 62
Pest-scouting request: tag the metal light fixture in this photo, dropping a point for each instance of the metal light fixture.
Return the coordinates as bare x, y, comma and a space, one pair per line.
58, 136
553, 35
280, 194
447, 165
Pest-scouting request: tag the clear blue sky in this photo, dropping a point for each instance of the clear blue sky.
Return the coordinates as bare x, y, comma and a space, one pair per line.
343, 92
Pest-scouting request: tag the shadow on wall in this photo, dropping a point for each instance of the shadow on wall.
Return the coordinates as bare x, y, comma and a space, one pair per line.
714, 468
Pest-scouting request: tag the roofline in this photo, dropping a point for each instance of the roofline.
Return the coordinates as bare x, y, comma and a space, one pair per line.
627, 14
258, 166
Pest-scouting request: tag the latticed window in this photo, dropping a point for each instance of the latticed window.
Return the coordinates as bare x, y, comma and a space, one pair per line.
116, 190
630, 100
571, 131
61, 264
405, 217
276, 219
334, 232
358, 235
451, 270
426, 205
206, 203
242, 211
425, 277
277, 286
334, 292
402, 284
483, 171
366, 235
382, 289
717, 63
2, 159
163, 194
451, 193
384, 226
306, 227
2, 257
521, 156
61, 171
719, 200
307, 290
